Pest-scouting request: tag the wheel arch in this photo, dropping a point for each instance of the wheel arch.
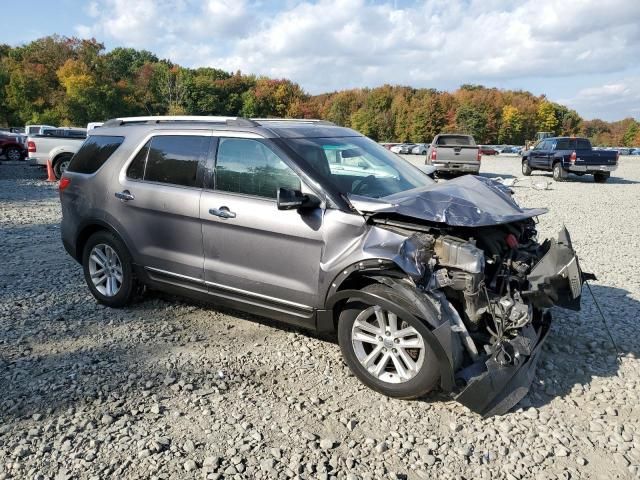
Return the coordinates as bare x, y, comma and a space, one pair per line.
88, 229
445, 366
58, 156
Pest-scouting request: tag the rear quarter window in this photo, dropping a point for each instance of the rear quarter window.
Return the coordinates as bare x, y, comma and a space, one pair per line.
93, 153
584, 144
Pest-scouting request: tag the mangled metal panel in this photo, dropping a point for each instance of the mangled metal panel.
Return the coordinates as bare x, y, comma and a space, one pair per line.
468, 201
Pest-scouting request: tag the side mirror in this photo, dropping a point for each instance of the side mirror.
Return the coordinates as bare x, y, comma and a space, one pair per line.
289, 199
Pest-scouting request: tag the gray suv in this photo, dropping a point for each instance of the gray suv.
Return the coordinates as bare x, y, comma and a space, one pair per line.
425, 284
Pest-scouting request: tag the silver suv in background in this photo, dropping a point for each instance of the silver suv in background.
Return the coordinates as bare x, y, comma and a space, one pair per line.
309, 223
454, 153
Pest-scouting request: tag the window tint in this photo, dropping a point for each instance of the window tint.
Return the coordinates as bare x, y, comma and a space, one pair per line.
247, 166
136, 167
174, 159
584, 144
93, 153
455, 140
565, 144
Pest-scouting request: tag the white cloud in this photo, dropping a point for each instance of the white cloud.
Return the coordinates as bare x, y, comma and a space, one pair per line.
334, 44
614, 100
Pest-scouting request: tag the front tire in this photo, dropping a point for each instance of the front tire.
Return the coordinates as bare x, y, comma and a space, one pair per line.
108, 270
388, 354
559, 173
526, 169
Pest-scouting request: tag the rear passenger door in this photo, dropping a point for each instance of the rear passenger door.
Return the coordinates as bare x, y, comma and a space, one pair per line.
157, 204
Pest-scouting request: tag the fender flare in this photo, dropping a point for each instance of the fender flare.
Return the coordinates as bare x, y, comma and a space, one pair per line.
446, 370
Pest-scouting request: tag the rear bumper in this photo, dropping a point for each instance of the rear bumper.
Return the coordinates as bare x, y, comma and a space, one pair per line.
456, 167
37, 161
592, 168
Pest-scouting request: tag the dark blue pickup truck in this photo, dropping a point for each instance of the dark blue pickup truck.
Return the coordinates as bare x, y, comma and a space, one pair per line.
564, 155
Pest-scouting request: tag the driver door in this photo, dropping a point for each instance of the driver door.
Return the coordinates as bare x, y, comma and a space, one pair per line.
253, 252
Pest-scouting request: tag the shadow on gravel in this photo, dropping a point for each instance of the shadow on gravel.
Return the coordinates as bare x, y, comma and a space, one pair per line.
579, 349
588, 179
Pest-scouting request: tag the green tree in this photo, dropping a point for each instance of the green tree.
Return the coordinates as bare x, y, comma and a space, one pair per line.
631, 134
472, 120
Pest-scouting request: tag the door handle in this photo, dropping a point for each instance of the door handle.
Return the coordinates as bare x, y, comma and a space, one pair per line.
222, 212
125, 195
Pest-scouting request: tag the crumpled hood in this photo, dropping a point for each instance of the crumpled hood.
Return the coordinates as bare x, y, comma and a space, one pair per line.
467, 201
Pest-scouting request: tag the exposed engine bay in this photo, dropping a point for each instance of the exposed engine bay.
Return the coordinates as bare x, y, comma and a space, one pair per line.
494, 285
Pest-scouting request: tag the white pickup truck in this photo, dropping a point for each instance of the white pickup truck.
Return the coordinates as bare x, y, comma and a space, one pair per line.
57, 145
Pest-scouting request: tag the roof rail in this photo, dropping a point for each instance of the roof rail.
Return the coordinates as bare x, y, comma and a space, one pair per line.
237, 121
298, 120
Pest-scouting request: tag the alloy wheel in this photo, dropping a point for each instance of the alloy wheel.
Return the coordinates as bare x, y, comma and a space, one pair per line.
387, 347
105, 269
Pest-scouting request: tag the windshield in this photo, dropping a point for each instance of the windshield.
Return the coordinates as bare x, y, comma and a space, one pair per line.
359, 166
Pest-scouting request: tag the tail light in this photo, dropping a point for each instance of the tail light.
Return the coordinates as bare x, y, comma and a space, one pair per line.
617, 156
64, 183
479, 156
434, 154
31, 146
573, 157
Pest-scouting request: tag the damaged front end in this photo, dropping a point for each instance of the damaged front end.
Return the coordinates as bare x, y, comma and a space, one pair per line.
492, 286
494, 289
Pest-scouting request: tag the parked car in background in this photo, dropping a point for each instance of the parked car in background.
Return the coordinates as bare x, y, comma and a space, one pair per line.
624, 150
564, 155
635, 151
420, 149
391, 263
388, 145
403, 148
511, 149
454, 153
57, 145
487, 150
12, 146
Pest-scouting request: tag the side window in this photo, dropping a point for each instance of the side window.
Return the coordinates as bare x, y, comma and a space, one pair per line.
93, 153
174, 159
247, 166
136, 167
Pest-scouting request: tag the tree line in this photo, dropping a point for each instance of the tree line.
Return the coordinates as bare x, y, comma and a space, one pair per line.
69, 81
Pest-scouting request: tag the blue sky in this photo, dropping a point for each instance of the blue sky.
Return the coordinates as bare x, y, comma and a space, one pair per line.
583, 53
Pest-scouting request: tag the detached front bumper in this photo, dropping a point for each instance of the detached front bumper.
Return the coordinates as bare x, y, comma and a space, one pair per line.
494, 384
493, 388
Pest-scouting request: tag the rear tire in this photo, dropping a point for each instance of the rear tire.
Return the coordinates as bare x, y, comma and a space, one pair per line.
61, 164
559, 173
108, 270
408, 372
13, 154
526, 169
601, 177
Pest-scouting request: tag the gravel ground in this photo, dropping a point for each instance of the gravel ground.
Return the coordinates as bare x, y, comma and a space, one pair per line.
171, 388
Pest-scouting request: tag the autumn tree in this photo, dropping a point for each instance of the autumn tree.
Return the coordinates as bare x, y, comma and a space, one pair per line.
511, 126
547, 121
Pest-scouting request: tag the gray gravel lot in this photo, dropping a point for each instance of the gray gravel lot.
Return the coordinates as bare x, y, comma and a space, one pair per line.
171, 388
